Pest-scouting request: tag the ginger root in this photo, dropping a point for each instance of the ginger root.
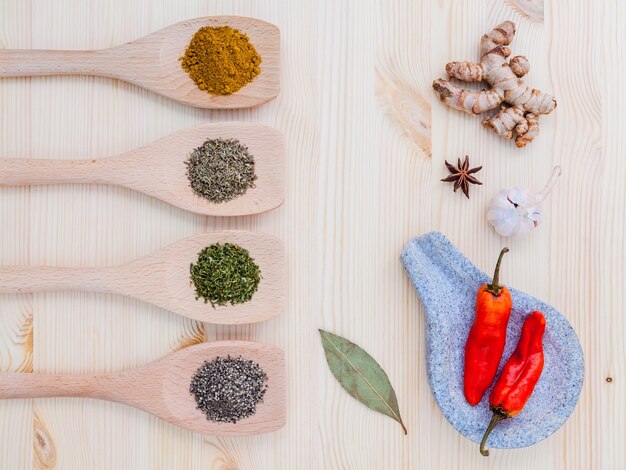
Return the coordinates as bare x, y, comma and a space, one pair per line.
519, 116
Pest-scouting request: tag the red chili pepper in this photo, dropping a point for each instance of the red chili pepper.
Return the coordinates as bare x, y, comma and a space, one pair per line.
519, 376
487, 337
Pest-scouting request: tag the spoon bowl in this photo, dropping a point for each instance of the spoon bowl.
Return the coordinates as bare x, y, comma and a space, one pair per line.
162, 387
163, 278
152, 62
158, 169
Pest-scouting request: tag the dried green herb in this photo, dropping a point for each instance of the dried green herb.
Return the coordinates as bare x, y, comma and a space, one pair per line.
220, 170
360, 375
225, 274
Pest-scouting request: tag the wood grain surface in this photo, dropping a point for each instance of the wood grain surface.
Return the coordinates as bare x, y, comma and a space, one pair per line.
365, 141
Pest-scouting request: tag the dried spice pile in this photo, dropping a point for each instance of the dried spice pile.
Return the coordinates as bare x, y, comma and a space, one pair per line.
220, 170
225, 274
228, 389
221, 60
461, 175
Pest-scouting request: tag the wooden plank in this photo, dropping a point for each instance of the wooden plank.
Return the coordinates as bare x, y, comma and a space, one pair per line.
611, 302
365, 140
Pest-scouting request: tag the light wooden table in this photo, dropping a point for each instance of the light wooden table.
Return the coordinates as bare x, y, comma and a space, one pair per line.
365, 144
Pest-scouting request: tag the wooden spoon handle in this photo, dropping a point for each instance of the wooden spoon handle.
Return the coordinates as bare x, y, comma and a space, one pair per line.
24, 279
33, 62
22, 385
16, 172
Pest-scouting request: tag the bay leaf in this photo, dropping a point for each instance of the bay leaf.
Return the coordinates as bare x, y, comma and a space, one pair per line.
360, 375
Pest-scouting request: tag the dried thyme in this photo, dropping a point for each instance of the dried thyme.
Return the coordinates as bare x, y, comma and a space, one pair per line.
228, 389
225, 274
220, 170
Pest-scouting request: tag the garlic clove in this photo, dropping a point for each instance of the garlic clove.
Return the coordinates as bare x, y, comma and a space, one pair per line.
520, 196
524, 227
504, 224
535, 216
514, 213
502, 215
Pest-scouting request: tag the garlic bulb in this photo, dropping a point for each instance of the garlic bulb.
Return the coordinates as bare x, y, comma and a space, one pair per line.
514, 213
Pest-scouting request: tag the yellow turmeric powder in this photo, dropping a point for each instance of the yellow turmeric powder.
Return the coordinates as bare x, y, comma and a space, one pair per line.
221, 60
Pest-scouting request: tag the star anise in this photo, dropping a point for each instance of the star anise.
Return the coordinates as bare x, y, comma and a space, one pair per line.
462, 175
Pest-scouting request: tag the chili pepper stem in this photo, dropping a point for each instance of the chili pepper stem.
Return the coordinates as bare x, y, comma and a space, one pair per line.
495, 419
495, 288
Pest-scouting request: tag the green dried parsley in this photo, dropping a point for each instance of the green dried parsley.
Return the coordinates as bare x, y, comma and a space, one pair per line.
220, 170
225, 274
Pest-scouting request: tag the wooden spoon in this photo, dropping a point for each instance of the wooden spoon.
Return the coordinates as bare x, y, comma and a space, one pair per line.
158, 169
162, 278
162, 387
152, 62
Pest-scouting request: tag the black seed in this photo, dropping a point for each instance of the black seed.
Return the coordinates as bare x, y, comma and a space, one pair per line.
228, 389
